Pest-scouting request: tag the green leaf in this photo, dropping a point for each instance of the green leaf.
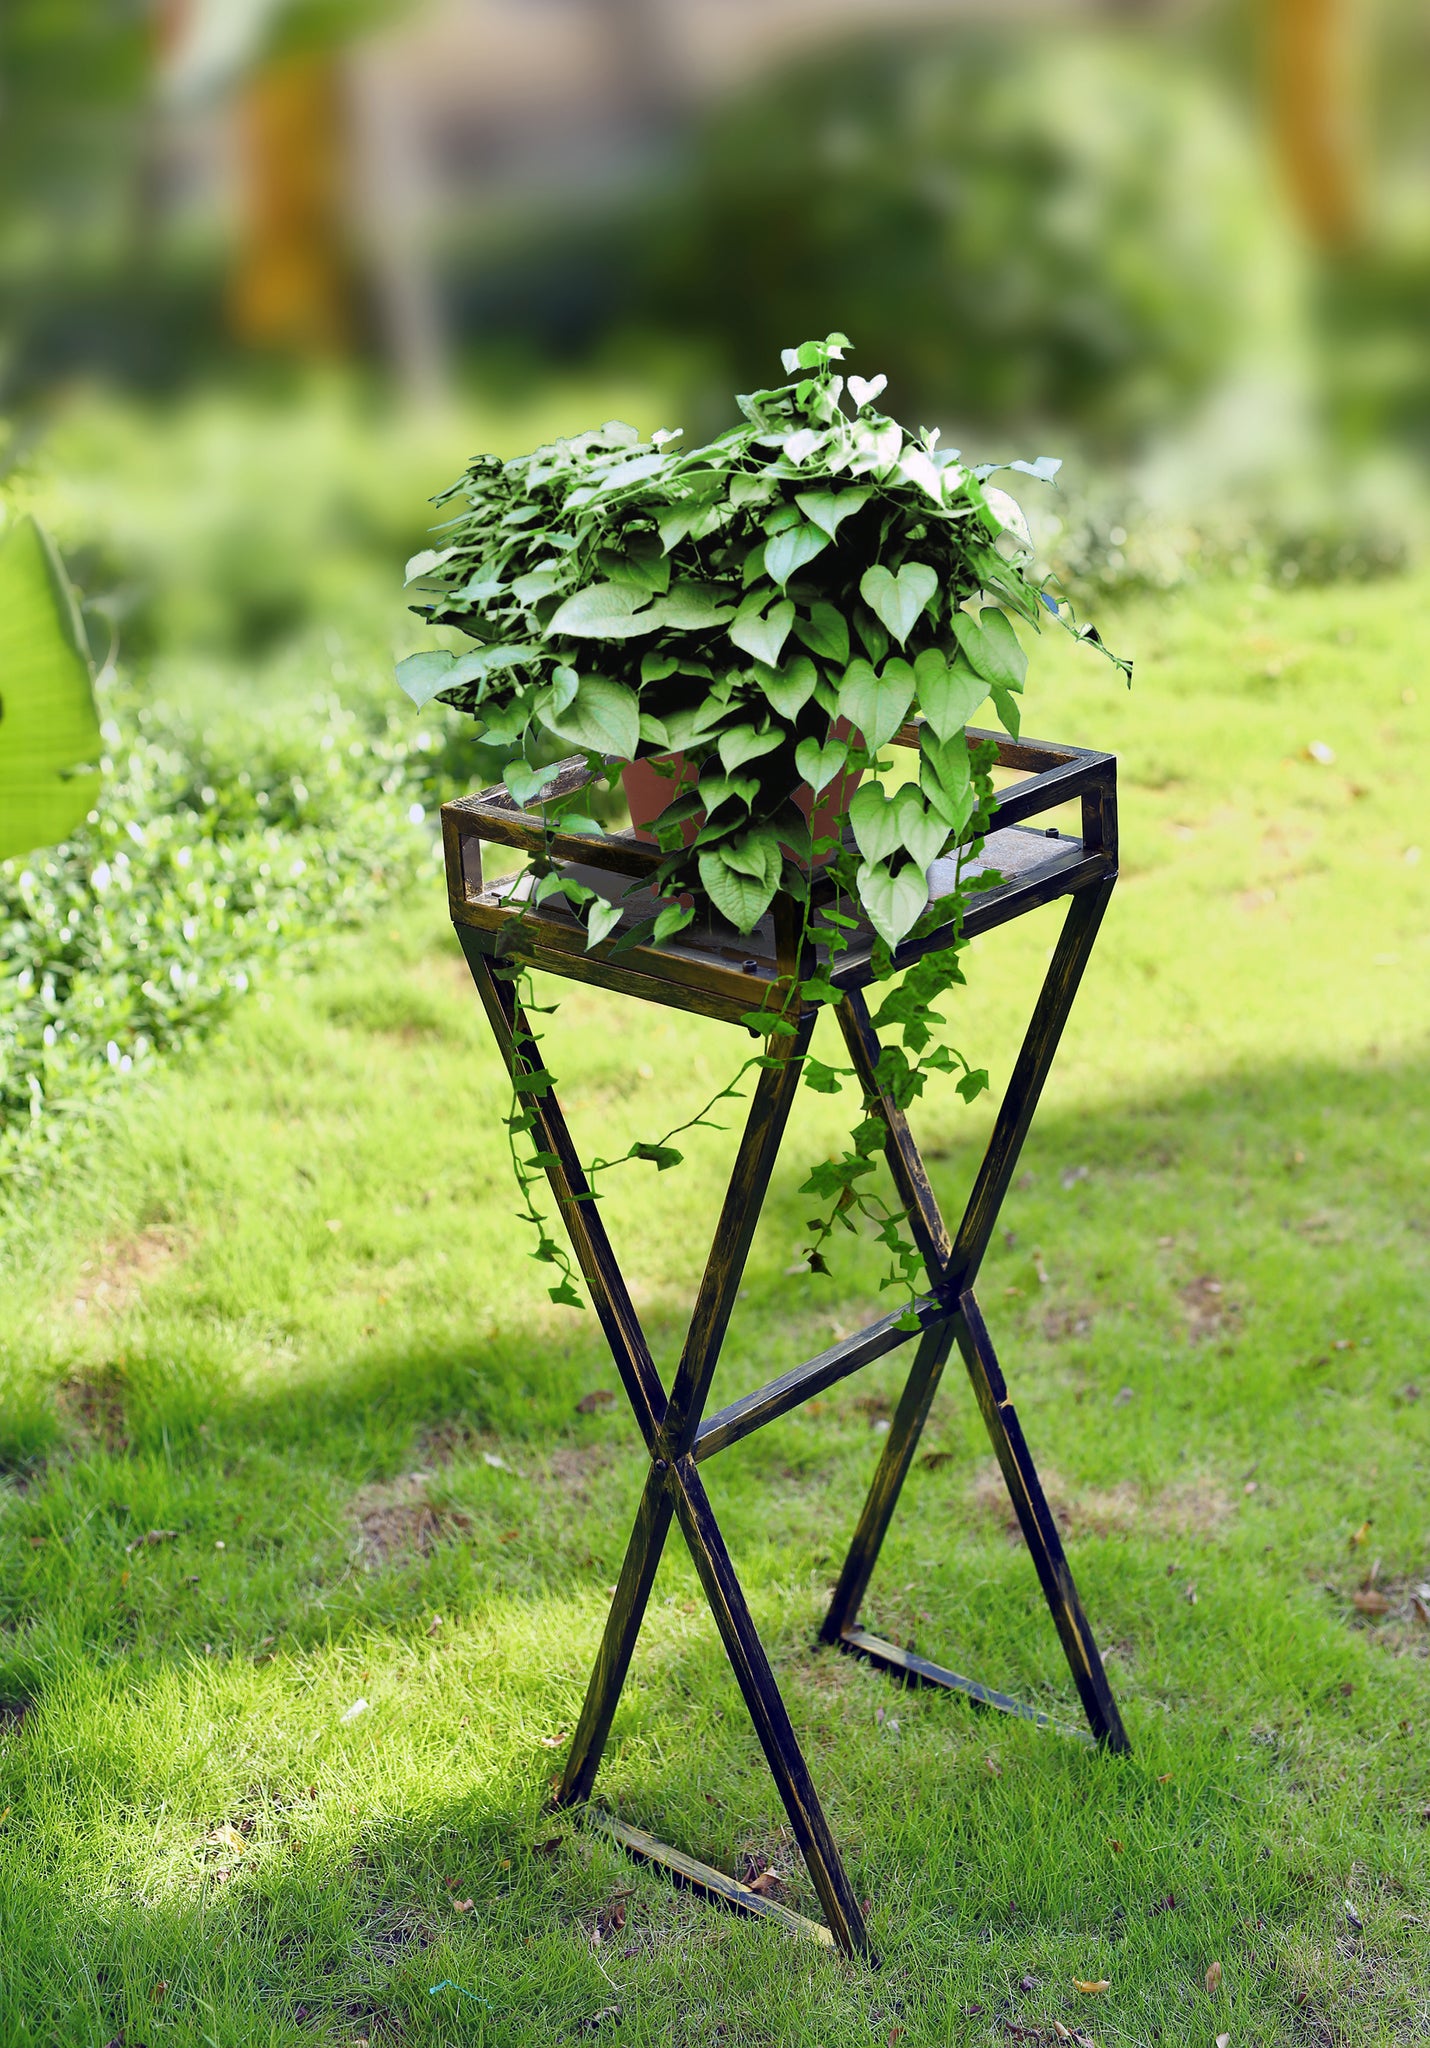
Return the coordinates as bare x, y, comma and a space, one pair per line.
945, 778
674, 918
1006, 705
829, 509
825, 632
691, 606
921, 831
566, 1295
787, 690
877, 704
742, 899
742, 743
604, 611
875, 822
894, 902
820, 764
603, 716
716, 790
898, 600
991, 646
786, 552
822, 1079
423, 675
973, 1083
429, 559
763, 637
660, 1156
524, 781
601, 920
49, 730
949, 693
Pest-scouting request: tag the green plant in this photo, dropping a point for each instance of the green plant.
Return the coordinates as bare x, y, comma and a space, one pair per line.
773, 608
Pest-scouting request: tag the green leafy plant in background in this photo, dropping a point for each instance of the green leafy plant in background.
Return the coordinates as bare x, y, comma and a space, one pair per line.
771, 609
49, 728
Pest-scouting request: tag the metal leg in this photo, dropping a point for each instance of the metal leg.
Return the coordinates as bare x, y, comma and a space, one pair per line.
899, 1447
1039, 1530
623, 1625
767, 1711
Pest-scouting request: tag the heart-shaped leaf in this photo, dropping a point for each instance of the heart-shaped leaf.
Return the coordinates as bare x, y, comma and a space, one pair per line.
1006, 705
829, 509
763, 636
601, 920
790, 688
898, 600
825, 632
524, 781
603, 611
689, 606
788, 551
743, 899
894, 901
922, 832
916, 468
875, 822
864, 390
803, 443
602, 716
820, 764
991, 646
949, 693
946, 780
878, 703
742, 743
716, 789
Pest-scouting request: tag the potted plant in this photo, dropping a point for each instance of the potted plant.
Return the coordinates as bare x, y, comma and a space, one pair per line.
739, 629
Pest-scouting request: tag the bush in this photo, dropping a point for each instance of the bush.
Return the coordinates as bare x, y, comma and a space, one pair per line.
209, 859
1016, 227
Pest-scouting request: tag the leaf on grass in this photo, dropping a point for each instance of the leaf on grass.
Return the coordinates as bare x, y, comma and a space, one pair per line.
1092, 1984
228, 1837
1359, 1536
351, 1713
767, 1884
595, 1401
1223, 2041
555, 1741
1213, 1979
1369, 1601
154, 1536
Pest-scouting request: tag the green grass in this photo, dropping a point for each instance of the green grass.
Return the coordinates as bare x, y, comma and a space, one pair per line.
284, 1314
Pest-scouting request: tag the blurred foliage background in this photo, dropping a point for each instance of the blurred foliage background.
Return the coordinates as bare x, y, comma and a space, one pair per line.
270, 270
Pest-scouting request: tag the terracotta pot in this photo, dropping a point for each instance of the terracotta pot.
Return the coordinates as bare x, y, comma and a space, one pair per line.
648, 792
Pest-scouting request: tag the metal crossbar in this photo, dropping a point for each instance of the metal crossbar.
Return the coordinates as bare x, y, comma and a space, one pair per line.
677, 1433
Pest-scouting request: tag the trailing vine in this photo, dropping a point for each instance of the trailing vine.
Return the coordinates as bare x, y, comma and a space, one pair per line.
757, 617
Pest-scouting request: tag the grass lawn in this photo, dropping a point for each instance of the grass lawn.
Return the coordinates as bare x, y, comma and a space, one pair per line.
289, 1425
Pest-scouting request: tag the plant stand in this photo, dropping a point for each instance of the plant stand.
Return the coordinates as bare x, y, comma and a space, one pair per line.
720, 973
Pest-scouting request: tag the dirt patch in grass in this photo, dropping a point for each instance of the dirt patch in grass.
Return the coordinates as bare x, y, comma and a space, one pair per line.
394, 1519
1393, 1613
12, 1716
91, 1405
1191, 1507
573, 1469
1209, 1309
115, 1277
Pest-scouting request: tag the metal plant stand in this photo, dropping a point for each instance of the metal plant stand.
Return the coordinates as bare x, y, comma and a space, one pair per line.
720, 973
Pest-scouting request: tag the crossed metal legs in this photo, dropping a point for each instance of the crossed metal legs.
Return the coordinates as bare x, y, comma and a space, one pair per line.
679, 1436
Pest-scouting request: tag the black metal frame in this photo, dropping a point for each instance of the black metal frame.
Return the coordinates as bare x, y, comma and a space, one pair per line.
679, 1436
